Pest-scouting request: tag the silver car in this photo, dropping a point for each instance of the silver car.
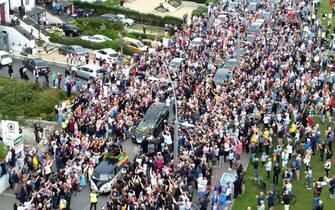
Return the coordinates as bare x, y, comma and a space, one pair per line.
89, 71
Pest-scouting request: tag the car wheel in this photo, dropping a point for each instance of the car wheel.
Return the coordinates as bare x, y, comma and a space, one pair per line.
91, 78
126, 24
74, 74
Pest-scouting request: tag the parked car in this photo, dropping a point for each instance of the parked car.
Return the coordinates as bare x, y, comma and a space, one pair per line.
5, 58
96, 38
105, 54
72, 49
110, 17
266, 15
152, 122
135, 44
88, 71
31, 64
70, 30
125, 21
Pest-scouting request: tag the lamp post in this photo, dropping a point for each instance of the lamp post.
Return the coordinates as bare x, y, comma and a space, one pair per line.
175, 121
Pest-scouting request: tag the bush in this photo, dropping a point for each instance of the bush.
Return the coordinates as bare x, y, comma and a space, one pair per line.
199, 11
115, 44
28, 99
3, 152
148, 19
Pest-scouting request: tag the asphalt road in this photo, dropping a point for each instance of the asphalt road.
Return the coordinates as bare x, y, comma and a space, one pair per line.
17, 64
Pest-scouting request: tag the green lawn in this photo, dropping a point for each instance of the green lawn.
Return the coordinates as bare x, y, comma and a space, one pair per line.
304, 196
324, 6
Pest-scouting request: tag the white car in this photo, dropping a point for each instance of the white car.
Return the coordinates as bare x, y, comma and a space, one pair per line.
5, 58
89, 71
105, 54
125, 21
96, 38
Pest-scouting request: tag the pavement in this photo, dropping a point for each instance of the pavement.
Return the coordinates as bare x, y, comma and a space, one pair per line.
148, 6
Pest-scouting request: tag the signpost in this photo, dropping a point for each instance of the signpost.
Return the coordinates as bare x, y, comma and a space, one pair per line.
11, 135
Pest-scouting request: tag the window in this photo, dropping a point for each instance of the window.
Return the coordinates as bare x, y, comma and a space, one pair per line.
27, 2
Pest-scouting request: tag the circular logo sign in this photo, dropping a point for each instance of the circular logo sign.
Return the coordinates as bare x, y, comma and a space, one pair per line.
10, 126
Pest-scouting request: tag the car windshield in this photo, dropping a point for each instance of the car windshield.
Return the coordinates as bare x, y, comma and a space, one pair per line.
79, 49
101, 71
5, 56
140, 44
40, 63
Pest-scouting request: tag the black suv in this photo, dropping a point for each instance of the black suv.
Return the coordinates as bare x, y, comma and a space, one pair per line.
70, 30
151, 123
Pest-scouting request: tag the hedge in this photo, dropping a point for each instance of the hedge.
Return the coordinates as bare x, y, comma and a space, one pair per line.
199, 11
115, 44
136, 35
28, 99
148, 19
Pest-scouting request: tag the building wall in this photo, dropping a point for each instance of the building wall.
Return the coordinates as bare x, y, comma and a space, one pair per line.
16, 40
5, 2
27, 3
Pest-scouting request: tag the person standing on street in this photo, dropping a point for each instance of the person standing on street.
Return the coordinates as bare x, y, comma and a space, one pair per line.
36, 74
53, 79
10, 70
93, 200
59, 80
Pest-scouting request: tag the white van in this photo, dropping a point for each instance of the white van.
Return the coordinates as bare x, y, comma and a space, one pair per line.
5, 58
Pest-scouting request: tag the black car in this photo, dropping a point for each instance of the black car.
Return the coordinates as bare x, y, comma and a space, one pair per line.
151, 123
103, 175
72, 49
31, 64
70, 30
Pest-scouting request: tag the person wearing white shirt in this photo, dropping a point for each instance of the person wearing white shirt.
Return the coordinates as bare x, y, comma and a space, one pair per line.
268, 168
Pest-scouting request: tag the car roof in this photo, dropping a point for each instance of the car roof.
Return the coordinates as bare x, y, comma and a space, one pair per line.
153, 113
105, 167
131, 39
107, 50
91, 66
220, 74
2, 52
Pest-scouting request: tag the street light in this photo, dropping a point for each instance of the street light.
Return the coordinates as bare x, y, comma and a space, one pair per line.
176, 123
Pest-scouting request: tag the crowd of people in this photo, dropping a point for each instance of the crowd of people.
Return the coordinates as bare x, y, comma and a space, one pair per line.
273, 104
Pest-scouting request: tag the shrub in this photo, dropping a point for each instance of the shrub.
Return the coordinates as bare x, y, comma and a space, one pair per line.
149, 19
28, 99
57, 32
199, 11
3, 152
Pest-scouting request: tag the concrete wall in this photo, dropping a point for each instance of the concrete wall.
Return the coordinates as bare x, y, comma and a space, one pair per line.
6, 9
4, 184
16, 40
27, 3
